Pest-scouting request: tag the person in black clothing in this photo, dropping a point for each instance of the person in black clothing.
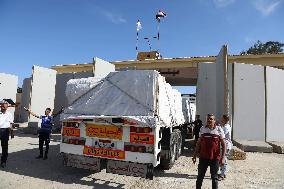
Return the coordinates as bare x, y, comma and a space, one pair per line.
197, 125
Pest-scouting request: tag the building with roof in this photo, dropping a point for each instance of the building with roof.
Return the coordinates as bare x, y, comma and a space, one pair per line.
178, 71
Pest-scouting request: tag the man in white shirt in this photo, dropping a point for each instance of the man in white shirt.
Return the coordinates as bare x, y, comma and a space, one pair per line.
227, 131
6, 121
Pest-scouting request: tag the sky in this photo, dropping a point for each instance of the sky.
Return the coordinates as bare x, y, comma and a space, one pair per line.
52, 32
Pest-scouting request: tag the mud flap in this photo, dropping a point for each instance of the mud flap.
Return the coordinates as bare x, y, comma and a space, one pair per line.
130, 169
83, 162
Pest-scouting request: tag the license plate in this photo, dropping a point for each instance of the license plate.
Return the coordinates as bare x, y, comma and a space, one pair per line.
101, 152
83, 162
67, 131
104, 131
141, 138
130, 169
104, 143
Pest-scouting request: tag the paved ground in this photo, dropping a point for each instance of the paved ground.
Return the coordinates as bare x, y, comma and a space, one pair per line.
24, 171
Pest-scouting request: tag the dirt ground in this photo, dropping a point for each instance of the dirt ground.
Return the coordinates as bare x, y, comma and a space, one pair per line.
24, 171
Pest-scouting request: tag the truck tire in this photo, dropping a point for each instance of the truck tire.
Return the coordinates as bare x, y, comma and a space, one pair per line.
178, 143
183, 137
167, 163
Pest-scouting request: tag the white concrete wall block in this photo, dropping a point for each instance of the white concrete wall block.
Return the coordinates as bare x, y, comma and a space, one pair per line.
249, 102
103, 68
43, 90
212, 93
26, 97
221, 91
8, 88
206, 89
230, 91
275, 104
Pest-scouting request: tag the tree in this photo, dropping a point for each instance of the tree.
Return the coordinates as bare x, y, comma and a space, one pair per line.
270, 47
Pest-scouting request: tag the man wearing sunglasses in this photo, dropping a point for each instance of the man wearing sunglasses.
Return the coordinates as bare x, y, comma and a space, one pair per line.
208, 149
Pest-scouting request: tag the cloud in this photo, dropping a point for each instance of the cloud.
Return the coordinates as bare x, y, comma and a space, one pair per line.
266, 7
222, 3
113, 17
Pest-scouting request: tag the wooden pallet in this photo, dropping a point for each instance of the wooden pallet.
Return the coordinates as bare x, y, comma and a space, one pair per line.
237, 154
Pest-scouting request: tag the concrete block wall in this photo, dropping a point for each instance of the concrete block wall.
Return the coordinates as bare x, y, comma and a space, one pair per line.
221, 84
25, 99
102, 68
249, 102
255, 99
230, 92
257, 103
42, 91
275, 104
17, 113
8, 88
60, 97
212, 93
206, 90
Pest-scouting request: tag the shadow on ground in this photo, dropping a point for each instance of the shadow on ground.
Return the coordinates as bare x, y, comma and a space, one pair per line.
187, 152
56, 137
24, 163
20, 133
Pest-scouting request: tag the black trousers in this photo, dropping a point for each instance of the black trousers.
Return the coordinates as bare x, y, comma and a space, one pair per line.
4, 137
202, 167
196, 137
44, 138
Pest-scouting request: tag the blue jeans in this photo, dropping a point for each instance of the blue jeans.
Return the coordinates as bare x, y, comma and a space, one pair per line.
224, 167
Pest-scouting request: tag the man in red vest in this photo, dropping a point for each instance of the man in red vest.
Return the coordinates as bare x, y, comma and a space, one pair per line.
208, 149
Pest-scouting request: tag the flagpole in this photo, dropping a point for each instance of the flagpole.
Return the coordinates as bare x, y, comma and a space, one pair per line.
158, 35
138, 28
159, 15
137, 38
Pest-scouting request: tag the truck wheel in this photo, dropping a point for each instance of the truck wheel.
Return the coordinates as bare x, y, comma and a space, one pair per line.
183, 137
167, 163
178, 143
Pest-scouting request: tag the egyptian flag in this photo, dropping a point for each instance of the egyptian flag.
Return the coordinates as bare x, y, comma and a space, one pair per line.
160, 15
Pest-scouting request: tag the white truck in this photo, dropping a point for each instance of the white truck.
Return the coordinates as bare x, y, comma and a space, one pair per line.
189, 111
128, 122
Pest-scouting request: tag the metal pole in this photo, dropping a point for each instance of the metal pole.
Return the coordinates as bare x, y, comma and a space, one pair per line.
158, 35
137, 38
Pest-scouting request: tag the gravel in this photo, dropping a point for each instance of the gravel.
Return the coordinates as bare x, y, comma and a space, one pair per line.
259, 170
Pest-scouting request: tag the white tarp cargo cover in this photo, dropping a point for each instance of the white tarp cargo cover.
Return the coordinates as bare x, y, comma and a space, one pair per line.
186, 110
137, 94
77, 87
